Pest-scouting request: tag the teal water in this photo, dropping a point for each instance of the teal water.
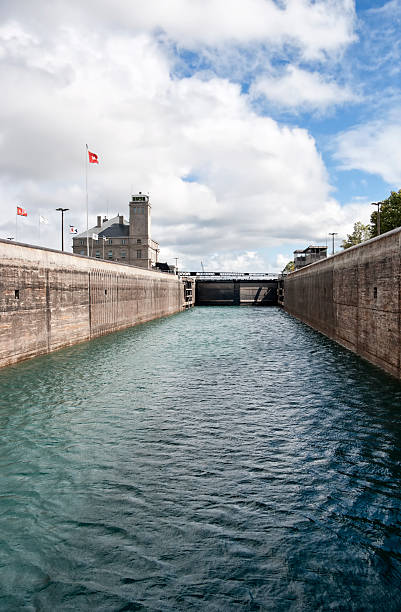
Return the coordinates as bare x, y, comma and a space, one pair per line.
219, 459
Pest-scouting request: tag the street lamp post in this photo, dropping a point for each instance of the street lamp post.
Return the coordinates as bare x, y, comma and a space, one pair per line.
62, 210
378, 215
333, 234
104, 240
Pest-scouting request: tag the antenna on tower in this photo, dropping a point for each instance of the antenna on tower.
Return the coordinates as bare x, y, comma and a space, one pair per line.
203, 269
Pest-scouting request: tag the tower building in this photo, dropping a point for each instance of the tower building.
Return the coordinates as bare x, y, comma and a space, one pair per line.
116, 240
143, 248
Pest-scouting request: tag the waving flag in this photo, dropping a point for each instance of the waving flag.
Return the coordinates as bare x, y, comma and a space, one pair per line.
21, 212
73, 230
93, 158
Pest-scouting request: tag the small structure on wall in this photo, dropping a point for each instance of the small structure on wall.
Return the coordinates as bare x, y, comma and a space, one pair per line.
118, 240
309, 255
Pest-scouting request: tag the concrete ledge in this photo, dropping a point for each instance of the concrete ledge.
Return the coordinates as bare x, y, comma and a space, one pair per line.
353, 297
50, 299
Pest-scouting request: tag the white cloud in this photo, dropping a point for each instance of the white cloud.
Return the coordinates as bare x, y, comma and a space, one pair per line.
313, 27
298, 88
282, 261
389, 9
374, 148
245, 261
224, 181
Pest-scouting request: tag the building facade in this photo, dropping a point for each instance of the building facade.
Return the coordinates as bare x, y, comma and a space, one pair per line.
118, 240
309, 255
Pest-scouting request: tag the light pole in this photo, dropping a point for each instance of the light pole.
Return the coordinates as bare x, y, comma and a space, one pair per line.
62, 210
378, 215
333, 234
104, 240
176, 264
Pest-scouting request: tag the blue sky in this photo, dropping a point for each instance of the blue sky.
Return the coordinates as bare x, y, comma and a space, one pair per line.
257, 127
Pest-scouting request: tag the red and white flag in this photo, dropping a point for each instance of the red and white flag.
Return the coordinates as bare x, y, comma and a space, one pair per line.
21, 212
93, 158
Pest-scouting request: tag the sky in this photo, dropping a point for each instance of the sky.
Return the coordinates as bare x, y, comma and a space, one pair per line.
257, 127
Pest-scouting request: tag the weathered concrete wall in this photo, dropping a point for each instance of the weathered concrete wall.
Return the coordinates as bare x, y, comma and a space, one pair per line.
229, 292
214, 293
258, 293
354, 298
50, 299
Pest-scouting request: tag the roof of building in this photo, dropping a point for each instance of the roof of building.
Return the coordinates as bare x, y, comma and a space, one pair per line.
310, 247
111, 228
115, 230
163, 266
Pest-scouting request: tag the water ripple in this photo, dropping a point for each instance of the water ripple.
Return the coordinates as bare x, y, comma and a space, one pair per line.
221, 459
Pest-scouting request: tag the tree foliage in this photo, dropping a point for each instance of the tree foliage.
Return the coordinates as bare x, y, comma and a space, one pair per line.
360, 234
390, 214
289, 267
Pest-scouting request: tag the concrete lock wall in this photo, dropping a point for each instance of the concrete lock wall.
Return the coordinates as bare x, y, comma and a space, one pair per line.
50, 299
354, 298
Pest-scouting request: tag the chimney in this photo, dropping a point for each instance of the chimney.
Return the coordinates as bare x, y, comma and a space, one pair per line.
105, 219
99, 221
121, 219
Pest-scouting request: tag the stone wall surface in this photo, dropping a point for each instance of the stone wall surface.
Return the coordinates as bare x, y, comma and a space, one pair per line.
354, 298
50, 299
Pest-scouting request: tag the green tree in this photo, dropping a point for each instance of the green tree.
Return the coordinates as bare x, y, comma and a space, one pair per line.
360, 234
390, 214
289, 267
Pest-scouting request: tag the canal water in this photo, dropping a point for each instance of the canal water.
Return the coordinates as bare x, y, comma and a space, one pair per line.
220, 459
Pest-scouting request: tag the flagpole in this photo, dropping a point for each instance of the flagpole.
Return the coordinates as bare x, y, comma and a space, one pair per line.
16, 226
39, 230
87, 205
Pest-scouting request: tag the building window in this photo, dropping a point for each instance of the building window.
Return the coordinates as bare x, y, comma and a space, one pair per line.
139, 254
82, 253
97, 254
123, 255
110, 255
123, 241
110, 241
16, 294
81, 242
139, 241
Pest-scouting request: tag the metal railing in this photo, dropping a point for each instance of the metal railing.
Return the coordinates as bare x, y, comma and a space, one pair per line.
216, 276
